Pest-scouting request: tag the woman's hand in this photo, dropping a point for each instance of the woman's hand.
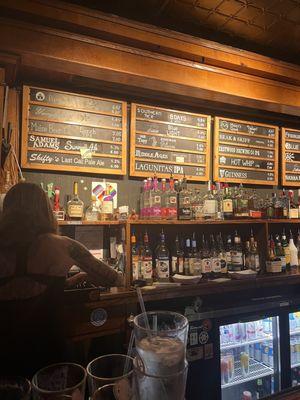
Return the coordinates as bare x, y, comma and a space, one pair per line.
76, 279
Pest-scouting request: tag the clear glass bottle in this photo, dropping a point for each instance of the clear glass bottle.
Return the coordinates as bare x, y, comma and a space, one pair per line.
142, 199
193, 257
210, 206
187, 256
184, 203
279, 253
237, 253
222, 254
162, 260
228, 249
219, 195
135, 259
286, 250
293, 254
254, 205
278, 206
155, 200
146, 260
254, 254
147, 199
164, 207
75, 206
227, 204
171, 200
206, 259
107, 206
293, 209
242, 203
177, 258
285, 204
215, 258
92, 213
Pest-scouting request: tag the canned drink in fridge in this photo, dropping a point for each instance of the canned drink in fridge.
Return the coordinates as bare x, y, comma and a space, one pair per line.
265, 353
259, 328
250, 329
244, 357
243, 332
271, 359
257, 352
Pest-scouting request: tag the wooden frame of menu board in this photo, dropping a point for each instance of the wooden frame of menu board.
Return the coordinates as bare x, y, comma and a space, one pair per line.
165, 142
290, 156
64, 131
249, 154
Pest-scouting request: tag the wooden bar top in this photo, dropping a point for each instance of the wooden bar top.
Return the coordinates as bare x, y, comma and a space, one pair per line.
290, 394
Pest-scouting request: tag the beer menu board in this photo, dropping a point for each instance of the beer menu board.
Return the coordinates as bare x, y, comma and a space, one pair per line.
70, 132
290, 153
245, 152
168, 142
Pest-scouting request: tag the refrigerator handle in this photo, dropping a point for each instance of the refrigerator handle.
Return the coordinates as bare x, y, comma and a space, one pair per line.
285, 355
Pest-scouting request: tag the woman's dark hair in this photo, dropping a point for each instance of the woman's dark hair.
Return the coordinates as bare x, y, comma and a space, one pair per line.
26, 214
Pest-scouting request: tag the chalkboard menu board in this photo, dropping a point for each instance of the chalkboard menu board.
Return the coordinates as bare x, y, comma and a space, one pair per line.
71, 132
290, 153
245, 152
168, 142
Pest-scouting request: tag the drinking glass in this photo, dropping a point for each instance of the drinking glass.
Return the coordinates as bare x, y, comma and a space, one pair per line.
160, 338
111, 369
166, 387
59, 382
105, 393
14, 388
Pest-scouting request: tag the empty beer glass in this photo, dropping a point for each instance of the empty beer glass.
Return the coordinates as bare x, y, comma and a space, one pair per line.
59, 382
14, 388
111, 369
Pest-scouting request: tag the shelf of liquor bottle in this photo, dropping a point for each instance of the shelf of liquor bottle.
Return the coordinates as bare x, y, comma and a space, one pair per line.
236, 344
63, 223
196, 222
283, 221
256, 370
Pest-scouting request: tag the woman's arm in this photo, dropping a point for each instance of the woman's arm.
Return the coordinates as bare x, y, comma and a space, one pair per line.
98, 271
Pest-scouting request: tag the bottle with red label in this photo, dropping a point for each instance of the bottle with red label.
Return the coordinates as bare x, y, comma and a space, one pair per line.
171, 200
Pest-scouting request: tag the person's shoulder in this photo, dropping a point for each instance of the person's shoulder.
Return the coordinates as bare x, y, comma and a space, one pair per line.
53, 239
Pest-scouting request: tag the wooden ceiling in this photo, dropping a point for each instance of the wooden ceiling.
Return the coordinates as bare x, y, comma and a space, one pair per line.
269, 27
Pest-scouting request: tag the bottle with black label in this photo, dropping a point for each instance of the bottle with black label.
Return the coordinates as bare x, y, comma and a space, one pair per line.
237, 254
177, 258
146, 261
184, 202
227, 204
162, 260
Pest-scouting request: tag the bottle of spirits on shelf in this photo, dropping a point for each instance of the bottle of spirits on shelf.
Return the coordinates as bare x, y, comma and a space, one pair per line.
171, 200
293, 209
147, 199
107, 206
269, 206
237, 253
177, 258
293, 255
206, 259
255, 205
58, 210
215, 258
247, 262
219, 196
135, 259
210, 205
227, 204
222, 254
146, 260
271, 249
75, 206
254, 255
278, 206
242, 210
279, 253
155, 200
92, 213
193, 256
184, 203
164, 209
142, 199
187, 256
286, 250
228, 249
285, 205
162, 260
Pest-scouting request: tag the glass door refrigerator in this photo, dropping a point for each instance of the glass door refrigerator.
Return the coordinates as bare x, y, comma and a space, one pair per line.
249, 358
294, 330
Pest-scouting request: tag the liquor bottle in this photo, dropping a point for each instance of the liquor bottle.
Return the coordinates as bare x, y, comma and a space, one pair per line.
187, 256
210, 205
92, 213
271, 249
237, 253
247, 261
206, 259
298, 246
171, 200
254, 255
107, 206
162, 260
193, 256
146, 260
58, 210
184, 203
293, 254
242, 210
279, 253
228, 249
227, 204
278, 206
197, 205
177, 258
164, 199
254, 205
75, 205
285, 205
215, 258
155, 200
293, 209
269, 206
219, 195
142, 199
222, 254
286, 249
135, 259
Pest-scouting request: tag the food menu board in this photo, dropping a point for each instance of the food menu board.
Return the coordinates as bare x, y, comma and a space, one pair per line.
70, 132
166, 142
290, 156
245, 152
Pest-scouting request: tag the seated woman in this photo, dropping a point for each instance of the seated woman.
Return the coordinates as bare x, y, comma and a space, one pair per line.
34, 262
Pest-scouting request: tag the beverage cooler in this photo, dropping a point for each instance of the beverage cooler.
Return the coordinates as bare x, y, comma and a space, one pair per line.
240, 353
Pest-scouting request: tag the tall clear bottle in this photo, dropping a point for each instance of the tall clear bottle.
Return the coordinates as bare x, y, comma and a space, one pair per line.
237, 255
210, 206
222, 254
177, 258
187, 256
184, 204
286, 250
206, 259
171, 200
293, 254
92, 213
228, 248
135, 259
215, 258
75, 205
146, 260
162, 260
